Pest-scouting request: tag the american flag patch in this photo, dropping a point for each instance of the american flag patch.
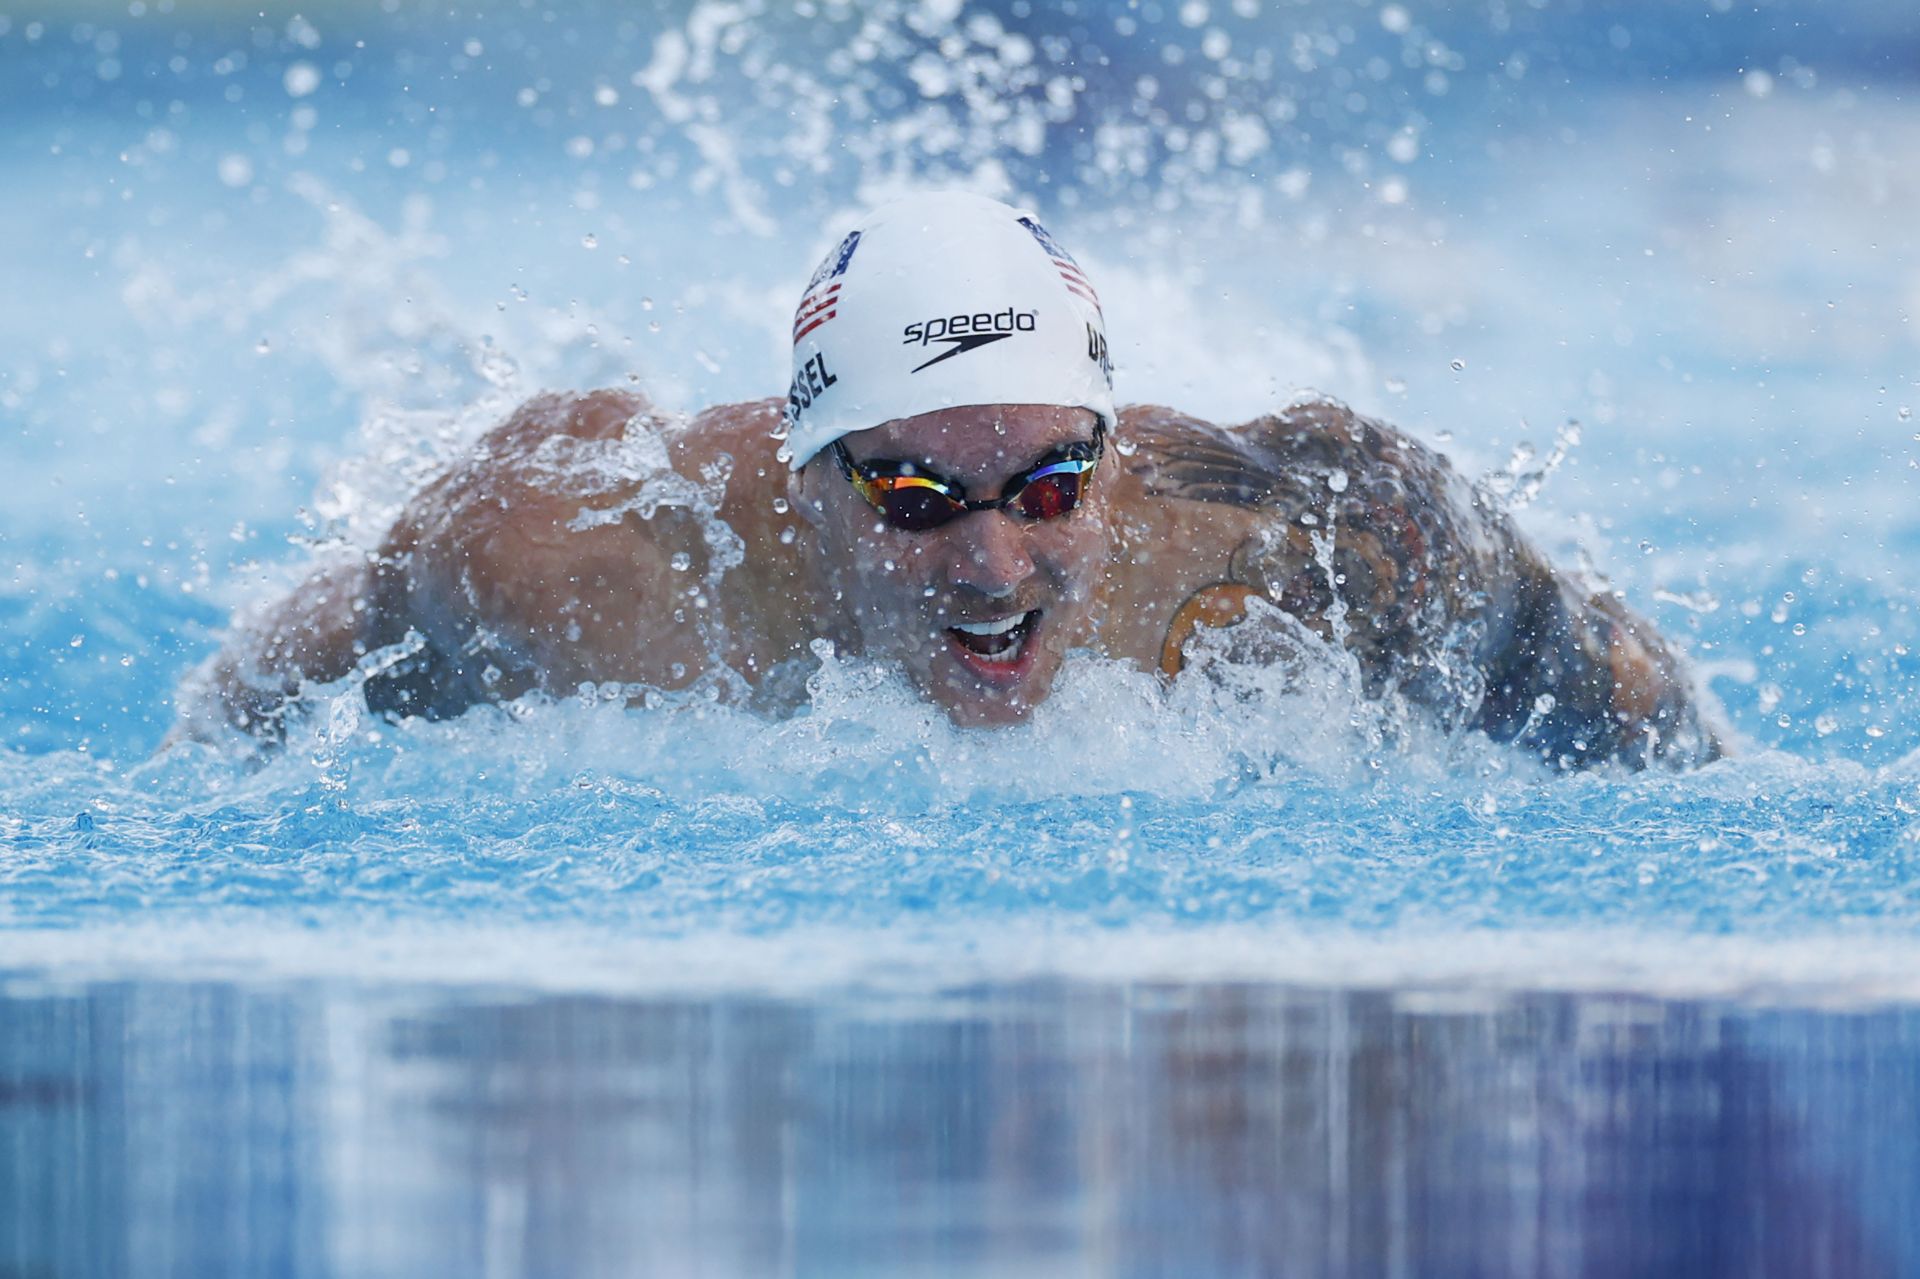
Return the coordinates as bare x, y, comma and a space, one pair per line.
1070, 273
823, 290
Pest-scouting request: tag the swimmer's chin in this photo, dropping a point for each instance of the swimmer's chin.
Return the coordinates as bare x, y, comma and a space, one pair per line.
989, 712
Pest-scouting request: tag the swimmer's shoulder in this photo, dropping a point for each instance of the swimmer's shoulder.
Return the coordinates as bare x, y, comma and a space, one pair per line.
562, 541
1291, 460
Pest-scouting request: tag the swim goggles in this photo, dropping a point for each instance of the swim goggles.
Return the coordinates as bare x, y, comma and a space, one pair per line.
909, 498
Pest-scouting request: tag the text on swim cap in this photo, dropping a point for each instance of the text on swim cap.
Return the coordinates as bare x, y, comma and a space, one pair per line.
1097, 352
965, 333
941, 326
809, 380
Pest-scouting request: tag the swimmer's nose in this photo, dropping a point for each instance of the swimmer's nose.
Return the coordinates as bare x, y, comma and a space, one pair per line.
990, 554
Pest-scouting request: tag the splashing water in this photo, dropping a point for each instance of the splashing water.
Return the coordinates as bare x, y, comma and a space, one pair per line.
1267, 205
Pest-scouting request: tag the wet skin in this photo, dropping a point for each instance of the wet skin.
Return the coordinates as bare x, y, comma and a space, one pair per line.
557, 554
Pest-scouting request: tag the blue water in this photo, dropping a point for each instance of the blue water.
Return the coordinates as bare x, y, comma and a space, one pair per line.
859, 991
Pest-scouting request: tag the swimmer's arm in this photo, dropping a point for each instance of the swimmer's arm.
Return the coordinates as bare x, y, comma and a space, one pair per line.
1434, 584
480, 574
313, 636
533, 565
1582, 678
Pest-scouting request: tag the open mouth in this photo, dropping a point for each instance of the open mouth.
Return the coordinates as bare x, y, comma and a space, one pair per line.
999, 641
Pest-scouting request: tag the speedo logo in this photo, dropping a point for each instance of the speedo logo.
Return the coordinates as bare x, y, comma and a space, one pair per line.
965, 333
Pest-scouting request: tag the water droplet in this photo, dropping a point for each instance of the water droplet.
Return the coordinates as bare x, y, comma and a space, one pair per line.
1396, 386
779, 506
1906, 412
681, 561
262, 347
653, 326
646, 304
787, 535
301, 79
1458, 365
1337, 481
589, 241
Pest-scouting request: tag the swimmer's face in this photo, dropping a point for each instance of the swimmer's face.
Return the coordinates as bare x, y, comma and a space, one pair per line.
980, 611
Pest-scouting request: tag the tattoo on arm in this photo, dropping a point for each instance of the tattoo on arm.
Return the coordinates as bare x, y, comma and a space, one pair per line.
1438, 595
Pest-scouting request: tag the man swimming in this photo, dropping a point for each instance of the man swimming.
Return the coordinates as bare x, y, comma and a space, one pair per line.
948, 487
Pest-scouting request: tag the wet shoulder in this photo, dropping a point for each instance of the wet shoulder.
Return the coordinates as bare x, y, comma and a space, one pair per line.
1365, 534
1297, 460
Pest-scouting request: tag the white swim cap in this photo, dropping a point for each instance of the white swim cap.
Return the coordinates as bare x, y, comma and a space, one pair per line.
937, 301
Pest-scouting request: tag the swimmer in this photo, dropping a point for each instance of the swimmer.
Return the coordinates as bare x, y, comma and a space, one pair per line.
948, 487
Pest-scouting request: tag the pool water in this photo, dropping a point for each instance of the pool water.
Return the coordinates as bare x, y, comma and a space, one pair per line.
1222, 978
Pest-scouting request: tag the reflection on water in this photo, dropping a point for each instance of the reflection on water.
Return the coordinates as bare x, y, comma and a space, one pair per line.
1045, 1128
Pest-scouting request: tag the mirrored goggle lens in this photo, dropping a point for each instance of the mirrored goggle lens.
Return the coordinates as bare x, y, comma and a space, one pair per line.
1048, 497
917, 508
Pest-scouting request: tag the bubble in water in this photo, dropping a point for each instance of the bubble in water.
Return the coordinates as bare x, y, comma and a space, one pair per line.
1458, 365
681, 561
589, 241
